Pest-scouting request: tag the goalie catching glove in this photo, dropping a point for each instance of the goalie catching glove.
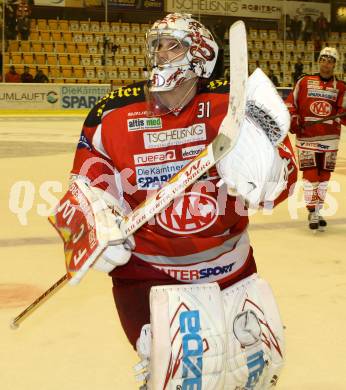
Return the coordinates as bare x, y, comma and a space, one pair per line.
254, 169
90, 231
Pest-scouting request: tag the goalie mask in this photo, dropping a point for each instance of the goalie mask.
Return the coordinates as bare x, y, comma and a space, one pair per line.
179, 48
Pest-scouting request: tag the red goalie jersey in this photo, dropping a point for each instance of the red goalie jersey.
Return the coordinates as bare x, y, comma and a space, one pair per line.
202, 236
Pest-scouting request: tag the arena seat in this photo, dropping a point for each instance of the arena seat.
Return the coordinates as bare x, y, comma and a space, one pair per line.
63, 25
41, 24
59, 47
74, 59
52, 24
85, 59
16, 58
40, 58
63, 59
73, 25
52, 59
48, 47
34, 35
25, 46
56, 35
28, 58
70, 47
36, 46
45, 35
78, 72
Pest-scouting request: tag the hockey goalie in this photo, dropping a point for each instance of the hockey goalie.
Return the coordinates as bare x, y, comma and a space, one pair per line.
185, 283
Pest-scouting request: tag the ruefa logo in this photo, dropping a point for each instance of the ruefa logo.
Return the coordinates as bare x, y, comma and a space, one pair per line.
148, 158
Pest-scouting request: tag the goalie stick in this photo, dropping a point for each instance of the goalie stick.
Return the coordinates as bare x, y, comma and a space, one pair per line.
328, 118
218, 148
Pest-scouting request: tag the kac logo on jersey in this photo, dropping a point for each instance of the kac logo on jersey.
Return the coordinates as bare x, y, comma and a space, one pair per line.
321, 108
190, 213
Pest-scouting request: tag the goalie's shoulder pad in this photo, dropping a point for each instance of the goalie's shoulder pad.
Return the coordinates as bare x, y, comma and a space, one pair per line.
116, 99
265, 107
216, 86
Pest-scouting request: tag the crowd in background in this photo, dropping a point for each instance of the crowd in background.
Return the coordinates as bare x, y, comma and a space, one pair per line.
307, 29
17, 26
12, 76
294, 29
17, 19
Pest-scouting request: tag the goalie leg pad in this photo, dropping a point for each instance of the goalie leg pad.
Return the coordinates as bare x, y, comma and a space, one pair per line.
255, 335
188, 338
201, 338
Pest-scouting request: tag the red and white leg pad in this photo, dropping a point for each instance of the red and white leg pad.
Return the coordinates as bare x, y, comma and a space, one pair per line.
255, 335
189, 341
201, 338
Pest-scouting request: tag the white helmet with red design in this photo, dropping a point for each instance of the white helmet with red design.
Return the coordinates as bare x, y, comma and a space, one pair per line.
329, 52
196, 58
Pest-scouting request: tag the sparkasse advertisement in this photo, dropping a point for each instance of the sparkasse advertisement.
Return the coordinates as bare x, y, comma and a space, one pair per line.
81, 96
17, 96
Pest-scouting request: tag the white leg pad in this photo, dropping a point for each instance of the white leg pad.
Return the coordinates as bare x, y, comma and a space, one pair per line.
188, 338
201, 338
255, 335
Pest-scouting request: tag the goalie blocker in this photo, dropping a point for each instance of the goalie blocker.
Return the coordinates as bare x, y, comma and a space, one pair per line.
204, 338
89, 229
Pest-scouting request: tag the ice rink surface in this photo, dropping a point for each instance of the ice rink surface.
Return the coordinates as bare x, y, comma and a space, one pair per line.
74, 341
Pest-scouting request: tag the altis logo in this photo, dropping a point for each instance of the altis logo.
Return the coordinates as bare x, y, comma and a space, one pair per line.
144, 124
192, 346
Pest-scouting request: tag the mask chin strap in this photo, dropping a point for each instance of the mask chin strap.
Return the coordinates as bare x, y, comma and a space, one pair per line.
176, 108
188, 96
